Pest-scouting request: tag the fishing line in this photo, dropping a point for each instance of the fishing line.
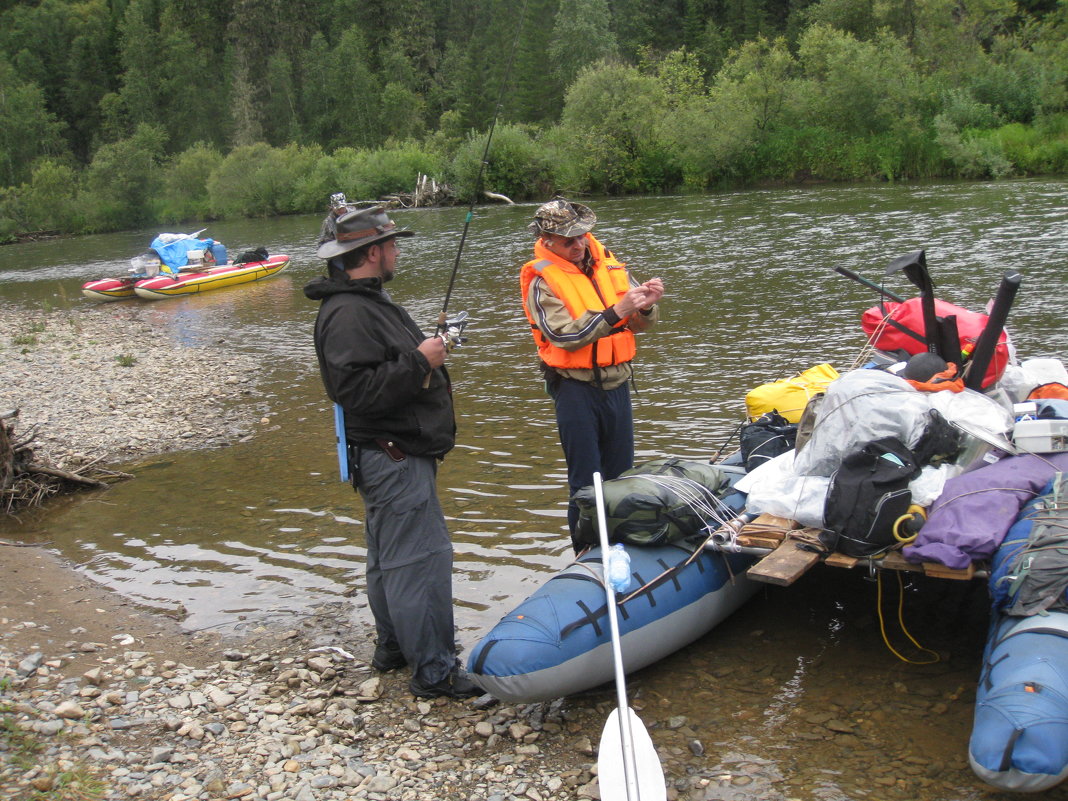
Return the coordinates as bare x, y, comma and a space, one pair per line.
443, 316
695, 496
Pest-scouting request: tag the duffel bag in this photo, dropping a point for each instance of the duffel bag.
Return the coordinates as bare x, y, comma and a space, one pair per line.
652, 504
765, 438
904, 330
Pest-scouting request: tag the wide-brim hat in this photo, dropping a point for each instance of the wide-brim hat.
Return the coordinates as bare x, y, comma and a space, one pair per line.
357, 229
563, 218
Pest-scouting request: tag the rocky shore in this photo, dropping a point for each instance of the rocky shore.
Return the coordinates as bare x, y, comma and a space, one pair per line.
289, 721
102, 701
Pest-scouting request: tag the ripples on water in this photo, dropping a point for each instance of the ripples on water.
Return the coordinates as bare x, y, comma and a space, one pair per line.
263, 530
751, 296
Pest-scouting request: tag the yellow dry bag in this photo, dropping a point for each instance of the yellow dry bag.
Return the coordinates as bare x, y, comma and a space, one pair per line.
789, 395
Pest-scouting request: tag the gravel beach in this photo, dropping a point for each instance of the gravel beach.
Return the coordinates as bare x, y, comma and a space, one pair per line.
95, 384
120, 703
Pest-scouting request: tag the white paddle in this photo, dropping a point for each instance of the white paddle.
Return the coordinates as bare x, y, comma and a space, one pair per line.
627, 764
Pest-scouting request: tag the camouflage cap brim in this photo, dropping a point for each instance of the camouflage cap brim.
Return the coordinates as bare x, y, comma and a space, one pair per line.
563, 218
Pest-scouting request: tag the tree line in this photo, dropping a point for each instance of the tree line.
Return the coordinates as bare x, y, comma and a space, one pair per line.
128, 113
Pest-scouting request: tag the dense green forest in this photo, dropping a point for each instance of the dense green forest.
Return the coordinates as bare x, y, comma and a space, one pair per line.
127, 113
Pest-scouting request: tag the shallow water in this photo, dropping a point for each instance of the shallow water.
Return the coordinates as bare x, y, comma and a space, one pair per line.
263, 530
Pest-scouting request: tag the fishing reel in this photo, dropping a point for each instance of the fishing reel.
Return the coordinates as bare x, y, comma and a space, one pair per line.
453, 332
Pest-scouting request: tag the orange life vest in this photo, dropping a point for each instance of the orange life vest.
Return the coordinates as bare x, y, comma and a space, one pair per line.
581, 294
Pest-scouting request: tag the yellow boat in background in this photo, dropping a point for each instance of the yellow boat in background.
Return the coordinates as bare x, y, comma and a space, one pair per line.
190, 283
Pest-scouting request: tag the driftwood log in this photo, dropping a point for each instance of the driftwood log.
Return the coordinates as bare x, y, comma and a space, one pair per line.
427, 192
26, 481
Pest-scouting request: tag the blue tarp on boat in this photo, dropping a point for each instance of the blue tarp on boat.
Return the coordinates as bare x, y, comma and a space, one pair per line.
173, 249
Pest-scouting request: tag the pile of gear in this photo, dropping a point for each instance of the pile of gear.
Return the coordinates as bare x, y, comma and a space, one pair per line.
910, 451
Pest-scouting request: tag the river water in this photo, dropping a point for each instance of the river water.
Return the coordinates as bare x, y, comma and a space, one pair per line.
795, 696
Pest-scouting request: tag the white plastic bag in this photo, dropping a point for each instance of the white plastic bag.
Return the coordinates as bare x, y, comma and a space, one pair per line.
973, 410
928, 485
775, 489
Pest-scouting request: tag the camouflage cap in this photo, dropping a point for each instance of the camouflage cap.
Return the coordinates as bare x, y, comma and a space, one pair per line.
562, 217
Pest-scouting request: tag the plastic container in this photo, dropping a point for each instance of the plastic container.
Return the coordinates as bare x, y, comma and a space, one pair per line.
980, 447
1027, 410
619, 568
1041, 436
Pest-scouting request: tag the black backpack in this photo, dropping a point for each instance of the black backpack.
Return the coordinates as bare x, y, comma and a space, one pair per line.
259, 254
768, 436
868, 493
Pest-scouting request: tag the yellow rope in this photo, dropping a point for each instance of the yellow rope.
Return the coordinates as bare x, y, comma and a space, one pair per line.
901, 622
914, 510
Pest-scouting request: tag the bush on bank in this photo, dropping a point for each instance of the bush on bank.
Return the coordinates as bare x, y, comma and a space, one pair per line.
834, 108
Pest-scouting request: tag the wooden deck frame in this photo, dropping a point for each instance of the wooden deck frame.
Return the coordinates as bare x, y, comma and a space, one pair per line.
786, 561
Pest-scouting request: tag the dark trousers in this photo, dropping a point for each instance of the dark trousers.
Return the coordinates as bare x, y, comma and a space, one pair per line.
409, 561
596, 433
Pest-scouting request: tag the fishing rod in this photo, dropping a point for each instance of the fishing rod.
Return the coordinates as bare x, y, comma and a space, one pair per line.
443, 325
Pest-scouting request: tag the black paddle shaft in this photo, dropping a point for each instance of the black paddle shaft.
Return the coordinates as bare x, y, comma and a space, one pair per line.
995, 324
869, 284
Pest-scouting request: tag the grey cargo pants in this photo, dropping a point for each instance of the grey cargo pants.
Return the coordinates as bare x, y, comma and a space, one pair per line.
409, 561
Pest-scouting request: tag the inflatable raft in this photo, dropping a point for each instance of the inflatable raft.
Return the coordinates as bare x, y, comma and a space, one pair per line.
110, 288
557, 641
163, 286
185, 283
1019, 737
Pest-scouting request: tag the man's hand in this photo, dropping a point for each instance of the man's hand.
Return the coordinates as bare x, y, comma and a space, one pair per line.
433, 348
640, 298
654, 290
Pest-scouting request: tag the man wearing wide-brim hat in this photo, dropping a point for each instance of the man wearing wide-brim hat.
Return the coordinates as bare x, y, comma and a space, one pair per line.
584, 309
390, 381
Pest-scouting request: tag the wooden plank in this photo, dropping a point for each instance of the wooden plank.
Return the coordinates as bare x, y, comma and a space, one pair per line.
766, 531
766, 521
783, 566
771, 541
841, 560
936, 570
895, 561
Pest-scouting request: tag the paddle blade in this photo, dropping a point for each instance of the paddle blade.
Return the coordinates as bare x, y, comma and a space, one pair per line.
611, 775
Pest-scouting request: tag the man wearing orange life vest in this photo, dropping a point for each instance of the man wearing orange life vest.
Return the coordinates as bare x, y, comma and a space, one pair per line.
584, 308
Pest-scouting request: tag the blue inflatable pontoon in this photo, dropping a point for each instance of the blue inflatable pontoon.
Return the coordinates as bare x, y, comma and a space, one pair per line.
557, 641
1019, 737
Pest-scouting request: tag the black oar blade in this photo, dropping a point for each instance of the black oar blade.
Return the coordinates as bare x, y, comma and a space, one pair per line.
991, 333
914, 266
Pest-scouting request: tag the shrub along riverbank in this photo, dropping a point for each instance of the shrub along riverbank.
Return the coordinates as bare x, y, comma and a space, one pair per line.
602, 100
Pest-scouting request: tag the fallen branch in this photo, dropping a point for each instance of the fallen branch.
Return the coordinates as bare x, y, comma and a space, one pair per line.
65, 475
26, 483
